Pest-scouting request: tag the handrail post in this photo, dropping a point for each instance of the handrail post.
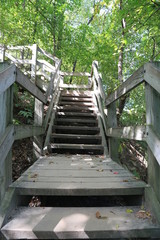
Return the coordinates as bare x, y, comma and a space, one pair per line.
34, 62
2, 53
153, 119
38, 107
112, 122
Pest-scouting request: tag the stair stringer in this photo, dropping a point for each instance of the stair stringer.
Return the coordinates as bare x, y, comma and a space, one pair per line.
100, 124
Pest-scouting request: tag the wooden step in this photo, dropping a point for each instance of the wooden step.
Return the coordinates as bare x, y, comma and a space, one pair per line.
75, 99
76, 93
78, 175
82, 130
81, 104
79, 223
77, 148
75, 109
78, 139
76, 122
75, 115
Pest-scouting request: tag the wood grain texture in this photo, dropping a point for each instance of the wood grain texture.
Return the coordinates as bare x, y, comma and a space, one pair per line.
7, 78
29, 86
78, 223
135, 133
78, 175
133, 81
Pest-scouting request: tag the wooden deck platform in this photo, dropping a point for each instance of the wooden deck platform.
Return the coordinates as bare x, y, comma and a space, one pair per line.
81, 175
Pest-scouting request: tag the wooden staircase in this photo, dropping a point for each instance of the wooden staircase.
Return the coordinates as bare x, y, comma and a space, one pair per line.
83, 193
76, 189
75, 128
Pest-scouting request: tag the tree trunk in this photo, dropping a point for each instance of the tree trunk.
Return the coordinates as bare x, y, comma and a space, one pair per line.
88, 23
122, 101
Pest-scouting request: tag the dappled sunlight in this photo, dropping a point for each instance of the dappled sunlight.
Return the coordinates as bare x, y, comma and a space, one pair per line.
72, 225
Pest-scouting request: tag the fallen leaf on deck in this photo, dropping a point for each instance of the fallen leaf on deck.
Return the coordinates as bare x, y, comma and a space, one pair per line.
117, 226
100, 170
143, 214
115, 173
125, 180
129, 211
51, 162
34, 175
98, 215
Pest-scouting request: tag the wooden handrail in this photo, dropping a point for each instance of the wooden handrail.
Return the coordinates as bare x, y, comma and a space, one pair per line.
7, 78
98, 79
133, 81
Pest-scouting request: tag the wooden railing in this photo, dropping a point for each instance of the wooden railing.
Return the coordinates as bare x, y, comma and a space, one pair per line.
45, 90
149, 74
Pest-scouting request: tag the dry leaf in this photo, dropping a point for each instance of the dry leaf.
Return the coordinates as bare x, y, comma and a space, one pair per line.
98, 215
143, 214
100, 170
115, 173
34, 175
125, 180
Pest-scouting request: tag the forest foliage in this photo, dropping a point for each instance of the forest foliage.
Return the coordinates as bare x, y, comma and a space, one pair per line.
124, 33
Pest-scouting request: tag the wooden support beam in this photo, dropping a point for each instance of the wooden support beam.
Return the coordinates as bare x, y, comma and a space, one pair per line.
75, 86
25, 131
6, 143
24, 81
133, 81
2, 53
45, 65
98, 80
76, 74
18, 61
152, 75
7, 78
53, 78
47, 54
112, 122
136, 133
153, 141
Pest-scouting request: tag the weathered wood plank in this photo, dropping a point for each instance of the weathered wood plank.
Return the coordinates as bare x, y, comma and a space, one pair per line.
18, 61
44, 74
45, 65
135, 133
153, 141
152, 203
50, 108
29, 86
75, 86
19, 47
98, 80
25, 131
133, 81
53, 78
76, 74
6, 143
42, 85
112, 123
81, 189
8, 203
153, 119
7, 78
79, 223
152, 76
53, 111
47, 54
